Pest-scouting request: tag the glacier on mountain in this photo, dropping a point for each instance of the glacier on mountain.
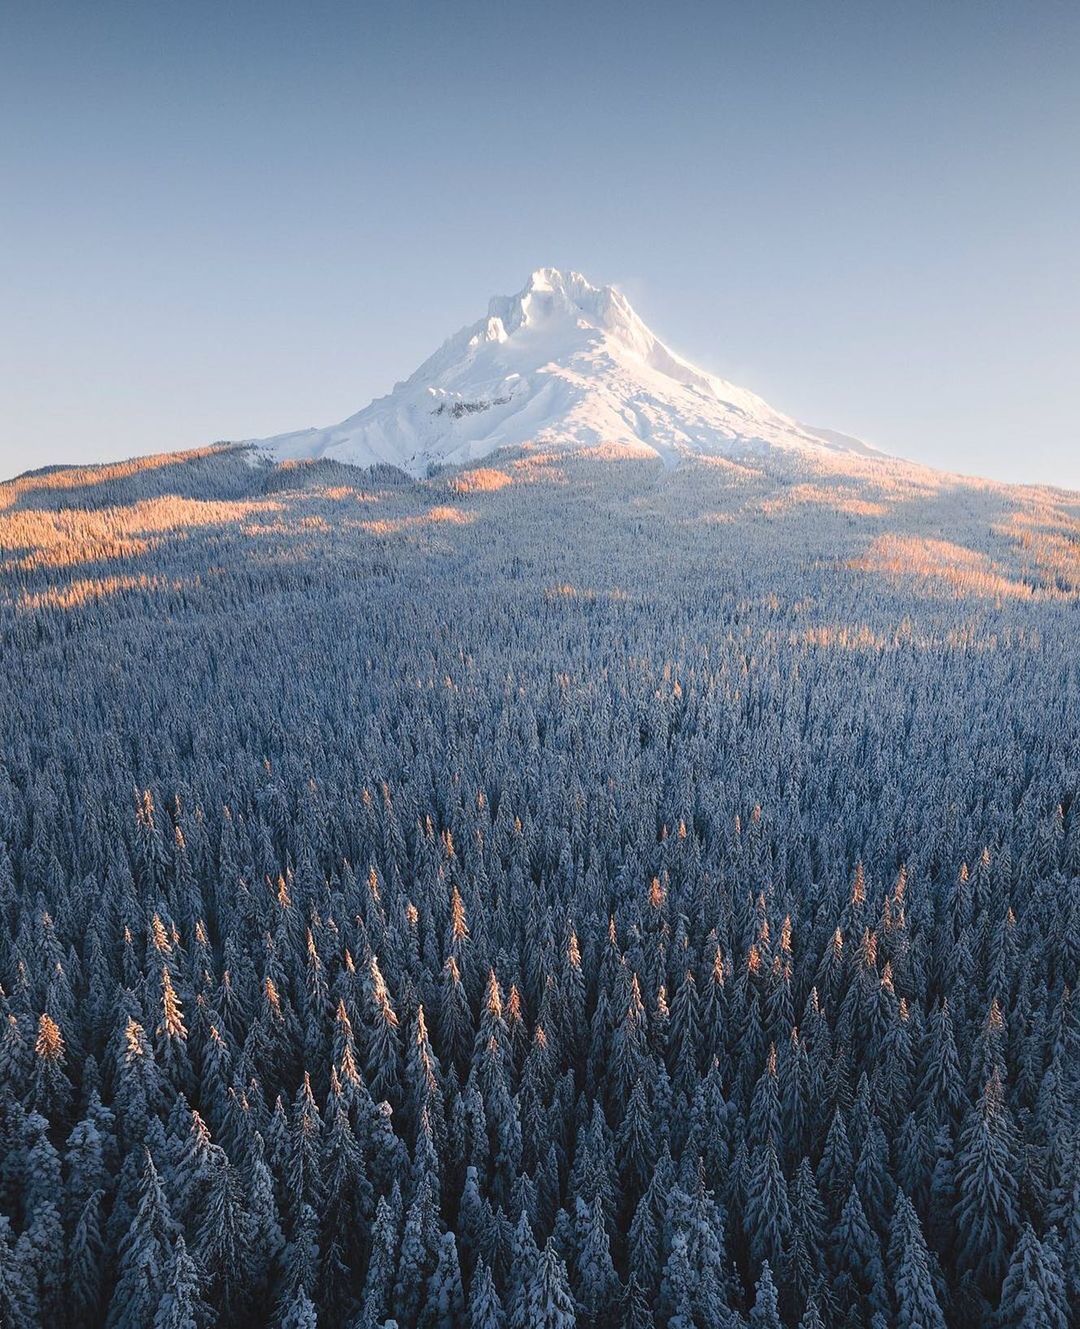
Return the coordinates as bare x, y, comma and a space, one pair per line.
561, 364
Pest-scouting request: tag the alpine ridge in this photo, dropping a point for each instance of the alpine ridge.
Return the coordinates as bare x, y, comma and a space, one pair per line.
563, 363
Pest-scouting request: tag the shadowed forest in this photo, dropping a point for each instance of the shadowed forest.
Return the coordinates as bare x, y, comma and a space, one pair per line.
561, 892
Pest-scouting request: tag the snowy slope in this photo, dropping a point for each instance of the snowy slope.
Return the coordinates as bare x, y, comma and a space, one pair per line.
563, 363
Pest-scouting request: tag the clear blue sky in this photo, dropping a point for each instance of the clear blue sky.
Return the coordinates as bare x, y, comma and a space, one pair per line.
232, 219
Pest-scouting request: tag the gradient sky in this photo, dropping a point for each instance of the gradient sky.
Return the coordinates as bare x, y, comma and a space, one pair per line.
227, 220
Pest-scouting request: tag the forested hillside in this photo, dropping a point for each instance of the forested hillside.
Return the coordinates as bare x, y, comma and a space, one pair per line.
565, 892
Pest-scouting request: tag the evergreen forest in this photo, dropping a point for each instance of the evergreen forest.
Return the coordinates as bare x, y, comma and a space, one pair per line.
565, 892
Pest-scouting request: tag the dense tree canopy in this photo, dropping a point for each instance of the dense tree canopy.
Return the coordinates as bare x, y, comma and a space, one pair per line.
600, 898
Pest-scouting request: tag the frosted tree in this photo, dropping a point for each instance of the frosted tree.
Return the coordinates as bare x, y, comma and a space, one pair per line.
765, 1313
548, 1301
485, 1308
914, 1294
146, 1256
445, 1304
1034, 1291
181, 1305
987, 1186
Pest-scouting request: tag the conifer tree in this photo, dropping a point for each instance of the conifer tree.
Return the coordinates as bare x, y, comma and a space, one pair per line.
765, 1312
445, 1304
416, 1260
987, 1187
378, 1284
914, 1294
836, 1170
86, 1254
181, 1306
811, 1317
383, 1052
860, 1272
521, 1274
305, 1148
267, 1241
805, 1263
301, 1313
146, 1256
52, 1088
768, 1212
1034, 1292
549, 1303
18, 1305
485, 1308
224, 1240
596, 1282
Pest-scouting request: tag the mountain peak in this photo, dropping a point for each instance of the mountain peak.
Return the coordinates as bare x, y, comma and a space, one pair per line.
554, 279
568, 289
562, 363
553, 294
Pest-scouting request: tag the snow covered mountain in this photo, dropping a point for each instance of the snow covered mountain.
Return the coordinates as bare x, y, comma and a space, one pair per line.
562, 363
